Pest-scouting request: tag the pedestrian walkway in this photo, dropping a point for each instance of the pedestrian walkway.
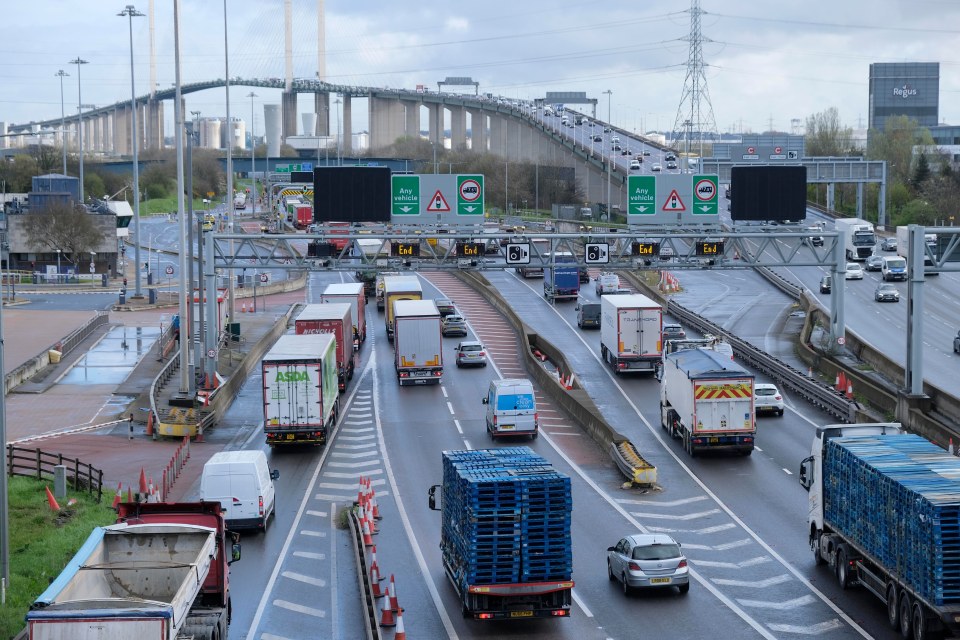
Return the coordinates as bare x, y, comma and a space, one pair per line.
90, 421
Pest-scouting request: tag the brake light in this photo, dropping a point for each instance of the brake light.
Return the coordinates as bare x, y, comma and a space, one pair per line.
261, 505
485, 616
778, 397
404, 374
482, 353
494, 420
438, 372
536, 419
682, 565
634, 567
560, 612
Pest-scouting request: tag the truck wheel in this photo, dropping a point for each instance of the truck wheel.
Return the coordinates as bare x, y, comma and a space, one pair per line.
843, 571
893, 604
815, 547
921, 627
906, 609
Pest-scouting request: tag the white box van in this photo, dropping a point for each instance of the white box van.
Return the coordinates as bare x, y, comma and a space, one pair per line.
893, 268
243, 485
511, 408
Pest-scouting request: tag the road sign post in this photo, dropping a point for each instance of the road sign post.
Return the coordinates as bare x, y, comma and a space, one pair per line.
642, 199
405, 195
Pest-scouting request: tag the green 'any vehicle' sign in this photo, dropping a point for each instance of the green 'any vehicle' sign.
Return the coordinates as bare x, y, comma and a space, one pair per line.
405, 195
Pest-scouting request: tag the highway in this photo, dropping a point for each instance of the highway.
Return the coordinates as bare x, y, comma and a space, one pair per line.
754, 573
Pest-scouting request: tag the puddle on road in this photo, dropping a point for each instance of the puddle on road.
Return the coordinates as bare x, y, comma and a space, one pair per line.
114, 358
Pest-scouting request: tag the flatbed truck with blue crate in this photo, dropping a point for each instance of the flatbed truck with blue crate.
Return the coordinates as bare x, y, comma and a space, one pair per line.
884, 514
505, 537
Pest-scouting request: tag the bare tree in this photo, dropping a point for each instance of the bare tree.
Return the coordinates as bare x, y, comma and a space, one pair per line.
895, 145
826, 136
63, 226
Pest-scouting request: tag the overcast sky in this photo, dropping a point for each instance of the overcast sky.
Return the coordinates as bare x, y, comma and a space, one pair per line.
768, 61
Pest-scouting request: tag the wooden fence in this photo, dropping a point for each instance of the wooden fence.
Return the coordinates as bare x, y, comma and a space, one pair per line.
34, 463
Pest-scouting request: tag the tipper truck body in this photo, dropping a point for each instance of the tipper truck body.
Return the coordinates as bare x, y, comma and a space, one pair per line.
355, 294
301, 400
706, 399
884, 513
160, 573
630, 338
418, 344
335, 319
505, 536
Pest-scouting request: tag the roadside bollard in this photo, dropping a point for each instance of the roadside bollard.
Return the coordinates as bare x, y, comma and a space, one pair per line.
131, 426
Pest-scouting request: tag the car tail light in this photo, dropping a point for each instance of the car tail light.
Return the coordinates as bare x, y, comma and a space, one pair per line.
683, 564
484, 616
778, 397
482, 353
438, 372
621, 365
536, 419
404, 374
634, 567
261, 505
494, 420
560, 612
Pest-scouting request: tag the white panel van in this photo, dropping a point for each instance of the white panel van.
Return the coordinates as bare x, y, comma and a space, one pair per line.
243, 485
511, 408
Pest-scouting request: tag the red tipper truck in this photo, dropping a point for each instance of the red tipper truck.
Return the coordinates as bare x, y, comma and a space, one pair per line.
353, 293
334, 318
303, 216
162, 572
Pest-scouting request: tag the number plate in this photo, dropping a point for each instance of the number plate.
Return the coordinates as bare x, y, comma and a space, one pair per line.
660, 580
289, 436
505, 427
421, 381
714, 440
521, 614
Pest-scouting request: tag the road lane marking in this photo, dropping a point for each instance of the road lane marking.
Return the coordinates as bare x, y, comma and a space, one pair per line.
786, 605
753, 584
299, 577
299, 608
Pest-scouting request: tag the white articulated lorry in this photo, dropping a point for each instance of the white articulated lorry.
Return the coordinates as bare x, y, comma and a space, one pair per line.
418, 344
929, 244
860, 238
706, 399
630, 338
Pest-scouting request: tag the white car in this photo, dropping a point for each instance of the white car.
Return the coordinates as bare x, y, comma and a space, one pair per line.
766, 397
634, 165
656, 167
854, 271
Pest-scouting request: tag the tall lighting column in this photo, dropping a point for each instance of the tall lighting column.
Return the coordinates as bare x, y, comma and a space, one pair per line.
186, 268
63, 120
253, 154
609, 93
231, 306
130, 12
79, 62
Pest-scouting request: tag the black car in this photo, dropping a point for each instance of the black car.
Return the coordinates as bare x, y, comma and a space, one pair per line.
445, 306
874, 263
826, 284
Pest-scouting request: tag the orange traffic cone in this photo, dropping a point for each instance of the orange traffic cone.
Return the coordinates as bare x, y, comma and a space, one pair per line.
386, 618
392, 594
849, 391
375, 581
367, 539
950, 448
143, 481
368, 516
360, 493
836, 382
372, 499
129, 494
51, 500
400, 634
117, 499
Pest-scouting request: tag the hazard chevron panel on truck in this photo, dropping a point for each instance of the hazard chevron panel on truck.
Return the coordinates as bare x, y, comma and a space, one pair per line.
723, 391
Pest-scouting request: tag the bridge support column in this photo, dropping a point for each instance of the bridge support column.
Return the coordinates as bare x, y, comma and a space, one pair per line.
321, 106
435, 133
346, 143
153, 123
398, 120
411, 127
860, 200
882, 204
498, 131
97, 134
378, 118
830, 195
512, 138
458, 128
478, 130
288, 114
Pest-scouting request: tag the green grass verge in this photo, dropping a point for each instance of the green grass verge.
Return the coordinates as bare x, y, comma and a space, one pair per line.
42, 542
167, 205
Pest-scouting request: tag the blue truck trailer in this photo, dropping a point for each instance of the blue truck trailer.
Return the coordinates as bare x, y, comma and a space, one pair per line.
885, 515
505, 536
560, 281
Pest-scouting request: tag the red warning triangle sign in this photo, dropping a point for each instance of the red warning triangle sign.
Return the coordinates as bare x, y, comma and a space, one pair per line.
673, 202
438, 203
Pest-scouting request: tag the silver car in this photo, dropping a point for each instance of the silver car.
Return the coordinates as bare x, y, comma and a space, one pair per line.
648, 560
471, 353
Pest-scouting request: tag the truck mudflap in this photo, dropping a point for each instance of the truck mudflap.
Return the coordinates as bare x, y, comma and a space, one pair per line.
286, 436
419, 376
518, 601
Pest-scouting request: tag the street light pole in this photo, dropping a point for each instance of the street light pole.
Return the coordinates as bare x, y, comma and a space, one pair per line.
337, 102
253, 154
63, 121
79, 61
131, 12
231, 307
609, 93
